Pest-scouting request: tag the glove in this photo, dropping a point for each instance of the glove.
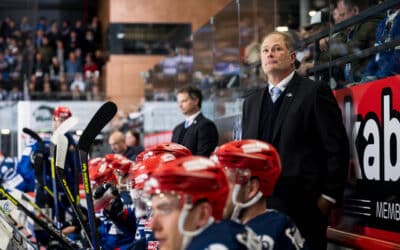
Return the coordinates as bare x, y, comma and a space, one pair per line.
115, 210
103, 195
37, 159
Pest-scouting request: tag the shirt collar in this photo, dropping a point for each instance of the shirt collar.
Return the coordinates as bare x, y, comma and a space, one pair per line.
282, 84
191, 118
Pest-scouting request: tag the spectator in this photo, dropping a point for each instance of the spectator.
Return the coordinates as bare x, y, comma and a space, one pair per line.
39, 69
47, 90
39, 38
308, 134
94, 26
60, 51
73, 42
90, 68
116, 140
64, 92
80, 31
99, 59
25, 26
89, 44
387, 62
72, 66
78, 83
46, 50
318, 22
42, 24
356, 38
65, 30
54, 34
56, 69
28, 53
132, 139
197, 133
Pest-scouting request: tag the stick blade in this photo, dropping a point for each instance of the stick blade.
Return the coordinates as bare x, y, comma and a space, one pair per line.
32, 134
100, 119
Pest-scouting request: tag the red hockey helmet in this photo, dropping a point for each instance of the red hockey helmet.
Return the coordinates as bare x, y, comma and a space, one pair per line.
193, 178
62, 112
143, 170
100, 172
119, 163
259, 157
169, 147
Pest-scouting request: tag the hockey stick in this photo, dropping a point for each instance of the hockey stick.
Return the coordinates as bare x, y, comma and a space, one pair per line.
64, 240
17, 228
103, 115
38, 210
41, 183
62, 148
35, 136
62, 129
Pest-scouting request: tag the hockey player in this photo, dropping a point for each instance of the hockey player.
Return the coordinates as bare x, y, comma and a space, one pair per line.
187, 199
112, 205
166, 147
36, 156
117, 224
138, 175
146, 163
253, 168
13, 177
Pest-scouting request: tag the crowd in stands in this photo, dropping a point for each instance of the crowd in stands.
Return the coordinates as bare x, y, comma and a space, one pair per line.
50, 60
373, 31
174, 71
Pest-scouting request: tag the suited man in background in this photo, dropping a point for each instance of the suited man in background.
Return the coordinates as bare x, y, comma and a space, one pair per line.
302, 119
197, 133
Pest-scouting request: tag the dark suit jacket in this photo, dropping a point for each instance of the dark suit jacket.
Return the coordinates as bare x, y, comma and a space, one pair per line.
201, 136
310, 138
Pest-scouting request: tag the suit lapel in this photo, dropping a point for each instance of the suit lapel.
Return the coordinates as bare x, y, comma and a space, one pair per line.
177, 132
192, 126
257, 113
290, 95
196, 120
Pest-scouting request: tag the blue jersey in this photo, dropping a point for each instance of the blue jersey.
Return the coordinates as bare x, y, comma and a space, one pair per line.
26, 167
13, 177
223, 235
144, 238
117, 235
276, 231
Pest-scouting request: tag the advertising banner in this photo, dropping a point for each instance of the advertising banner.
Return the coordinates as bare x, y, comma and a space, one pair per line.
37, 115
372, 119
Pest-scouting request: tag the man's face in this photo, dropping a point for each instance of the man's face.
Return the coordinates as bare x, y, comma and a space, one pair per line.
117, 145
343, 12
187, 105
276, 59
166, 211
57, 122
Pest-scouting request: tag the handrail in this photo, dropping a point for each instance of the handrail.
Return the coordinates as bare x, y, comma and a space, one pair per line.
376, 9
358, 55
